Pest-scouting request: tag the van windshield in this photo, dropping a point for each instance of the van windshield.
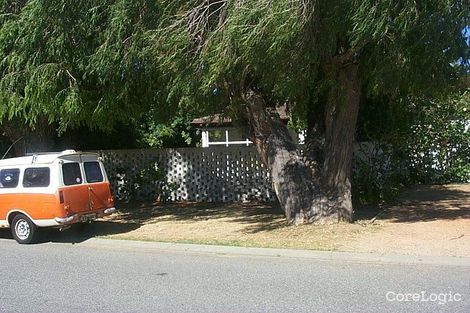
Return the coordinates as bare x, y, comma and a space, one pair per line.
93, 172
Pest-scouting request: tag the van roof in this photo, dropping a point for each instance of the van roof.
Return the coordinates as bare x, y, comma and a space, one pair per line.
41, 158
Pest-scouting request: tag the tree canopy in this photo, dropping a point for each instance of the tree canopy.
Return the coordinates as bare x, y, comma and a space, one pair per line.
76, 62
290, 47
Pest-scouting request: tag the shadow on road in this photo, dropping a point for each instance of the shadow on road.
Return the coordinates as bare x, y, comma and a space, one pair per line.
79, 232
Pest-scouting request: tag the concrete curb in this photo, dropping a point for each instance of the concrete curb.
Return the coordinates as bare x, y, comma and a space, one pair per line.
281, 253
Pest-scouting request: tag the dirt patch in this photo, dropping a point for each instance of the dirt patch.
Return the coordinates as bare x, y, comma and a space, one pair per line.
252, 225
432, 220
427, 220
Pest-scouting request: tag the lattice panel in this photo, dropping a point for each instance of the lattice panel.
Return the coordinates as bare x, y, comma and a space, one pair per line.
216, 174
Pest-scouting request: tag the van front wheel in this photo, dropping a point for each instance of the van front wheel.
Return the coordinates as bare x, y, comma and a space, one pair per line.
23, 229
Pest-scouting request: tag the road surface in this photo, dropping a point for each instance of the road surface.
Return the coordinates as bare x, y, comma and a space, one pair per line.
93, 277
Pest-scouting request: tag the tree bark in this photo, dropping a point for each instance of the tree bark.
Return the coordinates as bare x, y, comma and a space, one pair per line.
291, 176
314, 186
340, 127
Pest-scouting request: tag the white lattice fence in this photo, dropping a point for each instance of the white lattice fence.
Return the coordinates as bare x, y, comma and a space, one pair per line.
217, 174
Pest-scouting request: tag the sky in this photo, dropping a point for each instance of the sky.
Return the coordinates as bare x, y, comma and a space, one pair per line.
466, 34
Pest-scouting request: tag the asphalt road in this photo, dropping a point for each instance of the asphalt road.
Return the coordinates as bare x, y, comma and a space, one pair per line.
88, 277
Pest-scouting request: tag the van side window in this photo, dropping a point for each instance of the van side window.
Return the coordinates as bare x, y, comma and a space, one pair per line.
71, 174
93, 172
36, 177
9, 178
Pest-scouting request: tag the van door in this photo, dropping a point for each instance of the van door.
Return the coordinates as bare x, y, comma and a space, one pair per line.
74, 194
97, 182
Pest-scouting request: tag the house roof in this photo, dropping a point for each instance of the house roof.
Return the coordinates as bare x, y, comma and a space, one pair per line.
212, 120
218, 120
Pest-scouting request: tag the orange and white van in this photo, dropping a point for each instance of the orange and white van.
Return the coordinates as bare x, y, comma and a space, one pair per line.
52, 190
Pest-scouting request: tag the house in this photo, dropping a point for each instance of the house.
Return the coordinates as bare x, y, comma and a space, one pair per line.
218, 129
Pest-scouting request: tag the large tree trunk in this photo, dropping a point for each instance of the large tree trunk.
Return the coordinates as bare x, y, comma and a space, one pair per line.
291, 176
340, 127
315, 186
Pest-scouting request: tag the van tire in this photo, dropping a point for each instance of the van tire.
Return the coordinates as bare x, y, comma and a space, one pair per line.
23, 229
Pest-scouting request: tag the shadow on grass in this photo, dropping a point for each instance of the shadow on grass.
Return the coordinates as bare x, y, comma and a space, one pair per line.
437, 193
78, 232
425, 203
366, 212
430, 203
257, 216
426, 212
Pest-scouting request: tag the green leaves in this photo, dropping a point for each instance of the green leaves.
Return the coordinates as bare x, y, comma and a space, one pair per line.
409, 45
223, 42
288, 48
439, 142
96, 62
77, 63
39, 48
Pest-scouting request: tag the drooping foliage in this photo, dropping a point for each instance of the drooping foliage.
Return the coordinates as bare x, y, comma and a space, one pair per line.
75, 63
287, 47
